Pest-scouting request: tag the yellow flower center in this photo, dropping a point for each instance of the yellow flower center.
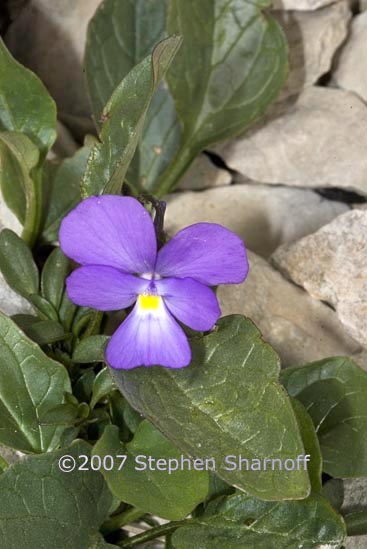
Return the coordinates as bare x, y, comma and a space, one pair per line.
149, 302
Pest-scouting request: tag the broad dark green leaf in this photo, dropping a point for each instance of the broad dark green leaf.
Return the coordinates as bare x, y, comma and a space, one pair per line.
90, 349
25, 104
311, 444
120, 35
18, 156
102, 386
333, 491
31, 386
171, 495
232, 65
64, 193
44, 507
226, 403
17, 264
53, 277
124, 117
242, 522
334, 392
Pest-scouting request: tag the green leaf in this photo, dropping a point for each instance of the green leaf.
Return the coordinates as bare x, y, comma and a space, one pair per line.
333, 491
334, 392
40, 331
226, 403
102, 386
232, 65
31, 386
53, 277
25, 104
124, 117
17, 264
90, 349
41, 506
64, 194
169, 495
120, 35
240, 521
311, 444
18, 156
45, 310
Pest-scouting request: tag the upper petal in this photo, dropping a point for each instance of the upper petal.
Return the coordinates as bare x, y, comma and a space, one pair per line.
190, 301
148, 339
206, 252
110, 230
104, 288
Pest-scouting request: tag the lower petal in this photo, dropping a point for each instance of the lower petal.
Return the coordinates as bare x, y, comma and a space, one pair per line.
149, 338
190, 302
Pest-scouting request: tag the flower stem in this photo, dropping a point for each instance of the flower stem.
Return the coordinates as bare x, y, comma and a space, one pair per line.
118, 521
153, 533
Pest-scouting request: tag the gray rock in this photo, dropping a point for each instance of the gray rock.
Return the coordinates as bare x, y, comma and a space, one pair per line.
351, 71
331, 265
203, 174
10, 302
355, 499
263, 216
299, 328
301, 4
49, 38
11, 456
318, 140
313, 38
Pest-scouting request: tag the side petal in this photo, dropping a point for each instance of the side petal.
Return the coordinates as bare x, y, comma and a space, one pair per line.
104, 288
206, 252
190, 302
148, 339
110, 230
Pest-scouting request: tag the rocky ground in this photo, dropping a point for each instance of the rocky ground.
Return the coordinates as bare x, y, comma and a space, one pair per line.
294, 187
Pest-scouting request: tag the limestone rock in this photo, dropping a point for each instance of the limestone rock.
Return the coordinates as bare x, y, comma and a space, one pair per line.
313, 38
317, 140
49, 38
301, 4
10, 302
299, 328
203, 174
331, 265
263, 216
351, 71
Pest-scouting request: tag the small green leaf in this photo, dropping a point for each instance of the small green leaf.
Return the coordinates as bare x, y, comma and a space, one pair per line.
42, 332
239, 521
90, 349
102, 386
232, 65
84, 386
45, 310
25, 104
18, 156
169, 495
121, 35
64, 193
124, 119
17, 264
42, 506
334, 392
311, 444
31, 386
3, 465
227, 402
333, 491
53, 277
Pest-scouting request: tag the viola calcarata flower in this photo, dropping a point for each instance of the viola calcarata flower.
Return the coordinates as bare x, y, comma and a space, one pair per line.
113, 239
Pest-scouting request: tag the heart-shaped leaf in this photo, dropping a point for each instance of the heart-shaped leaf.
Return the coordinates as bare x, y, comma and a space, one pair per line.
226, 403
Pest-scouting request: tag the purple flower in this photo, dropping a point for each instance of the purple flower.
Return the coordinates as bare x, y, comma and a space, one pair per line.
113, 238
